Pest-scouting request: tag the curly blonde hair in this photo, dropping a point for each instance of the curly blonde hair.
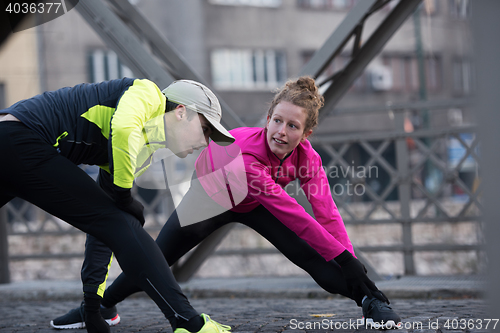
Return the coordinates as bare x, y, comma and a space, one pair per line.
302, 92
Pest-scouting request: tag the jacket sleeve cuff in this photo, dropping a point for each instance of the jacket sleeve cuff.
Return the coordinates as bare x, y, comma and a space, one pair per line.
123, 196
344, 257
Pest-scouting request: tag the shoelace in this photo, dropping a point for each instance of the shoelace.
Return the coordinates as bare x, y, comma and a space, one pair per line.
381, 305
221, 327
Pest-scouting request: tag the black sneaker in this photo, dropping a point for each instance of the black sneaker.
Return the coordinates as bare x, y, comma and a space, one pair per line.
76, 318
380, 315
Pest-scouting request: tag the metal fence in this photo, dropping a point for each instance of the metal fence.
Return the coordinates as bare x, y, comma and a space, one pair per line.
406, 179
424, 176
401, 178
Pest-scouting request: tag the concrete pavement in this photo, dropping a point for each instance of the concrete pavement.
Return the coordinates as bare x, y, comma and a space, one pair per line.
294, 304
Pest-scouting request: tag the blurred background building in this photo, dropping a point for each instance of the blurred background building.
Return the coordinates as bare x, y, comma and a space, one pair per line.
248, 48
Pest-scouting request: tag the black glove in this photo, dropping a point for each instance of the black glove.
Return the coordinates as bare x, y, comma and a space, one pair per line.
124, 201
94, 321
357, 281
378, 293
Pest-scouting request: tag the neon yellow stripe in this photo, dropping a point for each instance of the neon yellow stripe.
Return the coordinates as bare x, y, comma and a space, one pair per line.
105, 167
100, 115
62, 136
102, 286
138, 119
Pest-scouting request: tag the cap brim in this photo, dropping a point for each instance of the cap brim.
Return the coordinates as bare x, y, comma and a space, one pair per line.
220, 135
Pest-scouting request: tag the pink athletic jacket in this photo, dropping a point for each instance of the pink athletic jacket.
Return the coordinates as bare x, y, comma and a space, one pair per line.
266, 176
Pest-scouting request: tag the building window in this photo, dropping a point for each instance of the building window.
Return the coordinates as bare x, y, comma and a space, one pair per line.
405, 76
253, 3
248, 69
459, 8
433, 73
2, 96
462, 76
326, 4
430, 7
104, 65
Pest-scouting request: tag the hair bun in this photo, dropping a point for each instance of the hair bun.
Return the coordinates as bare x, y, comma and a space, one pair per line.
307, 83
302, 92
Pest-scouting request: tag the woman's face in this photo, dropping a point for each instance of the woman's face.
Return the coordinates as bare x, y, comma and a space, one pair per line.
285, 128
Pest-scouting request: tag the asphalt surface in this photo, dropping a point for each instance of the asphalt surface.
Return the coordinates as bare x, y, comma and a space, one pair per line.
440, 304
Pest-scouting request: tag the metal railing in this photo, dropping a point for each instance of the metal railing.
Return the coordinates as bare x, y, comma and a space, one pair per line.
440, 153
404, 197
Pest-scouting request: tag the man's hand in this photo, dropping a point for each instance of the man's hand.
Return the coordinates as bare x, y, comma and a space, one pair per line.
357, 281
124, 201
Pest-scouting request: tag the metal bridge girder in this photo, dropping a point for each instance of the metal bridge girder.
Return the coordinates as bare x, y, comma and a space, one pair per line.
115, 30
338, 39
362, 55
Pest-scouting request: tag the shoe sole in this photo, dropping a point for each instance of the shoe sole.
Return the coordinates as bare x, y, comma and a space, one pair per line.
111, 322
386, 326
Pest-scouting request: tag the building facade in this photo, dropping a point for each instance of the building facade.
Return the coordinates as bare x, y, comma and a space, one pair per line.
248, 48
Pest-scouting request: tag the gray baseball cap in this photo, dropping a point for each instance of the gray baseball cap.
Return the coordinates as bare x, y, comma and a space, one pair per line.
197, 97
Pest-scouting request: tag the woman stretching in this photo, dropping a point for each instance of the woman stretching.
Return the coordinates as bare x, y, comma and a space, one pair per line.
251, 192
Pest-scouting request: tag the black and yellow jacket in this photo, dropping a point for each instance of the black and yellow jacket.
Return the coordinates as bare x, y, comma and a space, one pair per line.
116, 124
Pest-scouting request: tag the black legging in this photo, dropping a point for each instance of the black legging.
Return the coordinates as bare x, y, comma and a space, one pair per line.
175, 241
32, 170
97, 255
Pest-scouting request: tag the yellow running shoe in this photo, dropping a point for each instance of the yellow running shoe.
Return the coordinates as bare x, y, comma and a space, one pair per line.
210, 326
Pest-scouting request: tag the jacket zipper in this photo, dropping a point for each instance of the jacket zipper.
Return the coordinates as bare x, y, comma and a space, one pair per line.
279, 167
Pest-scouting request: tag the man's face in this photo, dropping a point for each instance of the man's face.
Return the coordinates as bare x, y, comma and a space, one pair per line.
191, 132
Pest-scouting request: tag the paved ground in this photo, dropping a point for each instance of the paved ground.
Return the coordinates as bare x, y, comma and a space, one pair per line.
263, 315
439, 305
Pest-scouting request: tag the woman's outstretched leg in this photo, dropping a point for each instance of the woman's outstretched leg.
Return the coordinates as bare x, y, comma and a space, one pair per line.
327, 274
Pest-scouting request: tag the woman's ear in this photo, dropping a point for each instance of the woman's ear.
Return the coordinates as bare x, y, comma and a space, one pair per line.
268, 120
306, 135
180, 112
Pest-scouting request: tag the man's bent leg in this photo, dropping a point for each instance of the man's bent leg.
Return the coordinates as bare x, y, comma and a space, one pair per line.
95, 268
174, 241
98, 258
37, 173
94, 274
